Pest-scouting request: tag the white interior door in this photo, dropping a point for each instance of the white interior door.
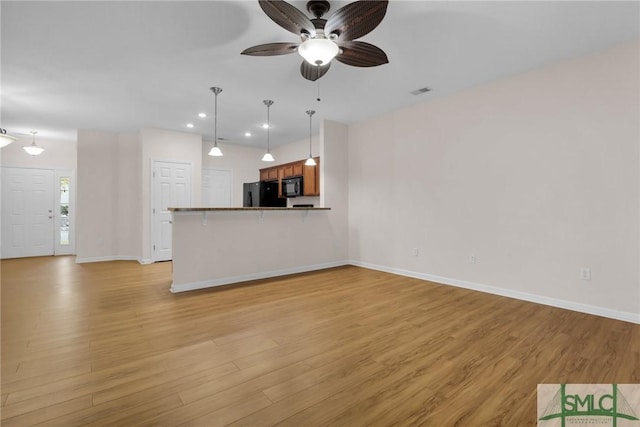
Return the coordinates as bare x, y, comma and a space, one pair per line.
216, 188
27, 212
171, 189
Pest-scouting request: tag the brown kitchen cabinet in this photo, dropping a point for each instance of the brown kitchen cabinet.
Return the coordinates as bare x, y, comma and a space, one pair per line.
297, 168
269, 174
288, 171
310, 175
273, 174
311, 179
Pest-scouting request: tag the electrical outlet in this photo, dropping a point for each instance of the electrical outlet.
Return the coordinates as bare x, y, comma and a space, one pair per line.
472, 259
415, 251
585, 273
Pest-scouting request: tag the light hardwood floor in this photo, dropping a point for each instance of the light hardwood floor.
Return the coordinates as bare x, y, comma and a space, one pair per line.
108, 344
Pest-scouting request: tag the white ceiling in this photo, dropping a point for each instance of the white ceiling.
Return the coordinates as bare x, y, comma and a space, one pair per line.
120, 66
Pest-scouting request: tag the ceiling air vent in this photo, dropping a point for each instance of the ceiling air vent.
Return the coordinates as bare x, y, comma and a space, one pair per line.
421, 91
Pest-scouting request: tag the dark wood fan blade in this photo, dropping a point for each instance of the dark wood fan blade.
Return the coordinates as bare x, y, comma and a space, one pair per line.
288, 17
271, 49
313, 72
356, 19
361, 54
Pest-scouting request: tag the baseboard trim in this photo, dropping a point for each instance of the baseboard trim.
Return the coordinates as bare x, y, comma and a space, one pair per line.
524, 296
183, 287
107, 258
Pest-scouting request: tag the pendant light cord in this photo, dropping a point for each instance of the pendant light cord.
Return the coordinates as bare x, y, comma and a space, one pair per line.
310, 113
216, 91
215, 122
268, 103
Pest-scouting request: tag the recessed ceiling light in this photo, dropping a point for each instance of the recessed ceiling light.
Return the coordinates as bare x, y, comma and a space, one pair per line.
202, 115
265, 126
189, 125
247, 134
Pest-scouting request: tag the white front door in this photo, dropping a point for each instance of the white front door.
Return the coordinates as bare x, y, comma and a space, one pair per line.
216, 188
171, 189
27, 212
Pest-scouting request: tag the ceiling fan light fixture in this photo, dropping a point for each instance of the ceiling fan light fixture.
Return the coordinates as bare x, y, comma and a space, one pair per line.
5, 139
33, 149
318, 51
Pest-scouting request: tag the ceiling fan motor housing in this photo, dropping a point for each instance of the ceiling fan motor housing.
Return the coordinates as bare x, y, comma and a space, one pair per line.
318, 7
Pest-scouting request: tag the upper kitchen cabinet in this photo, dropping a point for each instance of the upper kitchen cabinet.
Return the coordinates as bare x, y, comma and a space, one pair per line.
310, 175
269, 174
311, 178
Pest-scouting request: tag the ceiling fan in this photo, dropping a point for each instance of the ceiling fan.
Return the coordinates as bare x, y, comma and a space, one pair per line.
325, 39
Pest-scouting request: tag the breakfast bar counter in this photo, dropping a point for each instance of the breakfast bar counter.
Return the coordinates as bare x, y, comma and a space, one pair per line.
220, 246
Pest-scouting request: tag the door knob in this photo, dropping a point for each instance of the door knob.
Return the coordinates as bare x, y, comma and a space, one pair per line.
50, 216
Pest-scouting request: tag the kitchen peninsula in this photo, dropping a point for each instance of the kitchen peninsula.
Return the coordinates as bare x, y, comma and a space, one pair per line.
220, 246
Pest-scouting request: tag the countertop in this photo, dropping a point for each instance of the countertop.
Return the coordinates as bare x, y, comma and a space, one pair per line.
244, 209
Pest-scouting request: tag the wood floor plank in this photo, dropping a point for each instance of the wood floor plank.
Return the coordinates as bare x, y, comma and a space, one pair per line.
109, 344
49, 412
231, 413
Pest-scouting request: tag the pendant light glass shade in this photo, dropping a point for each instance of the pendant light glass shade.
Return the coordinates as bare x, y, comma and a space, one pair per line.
5, 139
310, 161
33, 149
267, 156
215, 150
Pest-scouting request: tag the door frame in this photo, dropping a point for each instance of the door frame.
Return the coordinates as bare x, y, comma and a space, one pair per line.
152, 199
57, 173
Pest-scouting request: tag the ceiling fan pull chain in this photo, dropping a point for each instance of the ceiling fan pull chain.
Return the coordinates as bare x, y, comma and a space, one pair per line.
318, 80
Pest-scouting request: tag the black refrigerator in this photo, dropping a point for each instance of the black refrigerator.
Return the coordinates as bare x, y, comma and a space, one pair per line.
262, 194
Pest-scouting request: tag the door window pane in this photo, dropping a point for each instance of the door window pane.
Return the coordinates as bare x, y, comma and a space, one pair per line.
64, 210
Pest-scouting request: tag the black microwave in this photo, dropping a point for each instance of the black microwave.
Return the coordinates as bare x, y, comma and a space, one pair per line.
292, 187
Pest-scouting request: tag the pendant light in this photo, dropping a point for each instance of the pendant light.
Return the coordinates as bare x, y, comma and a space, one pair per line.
5, 139
267, 156
33, 149
215, 150
310, 161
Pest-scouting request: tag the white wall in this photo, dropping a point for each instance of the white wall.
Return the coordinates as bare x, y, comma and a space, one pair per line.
129, 212
57, 154
244, 162
297, 150
334, 181
165, 145
98, 196
537, 176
